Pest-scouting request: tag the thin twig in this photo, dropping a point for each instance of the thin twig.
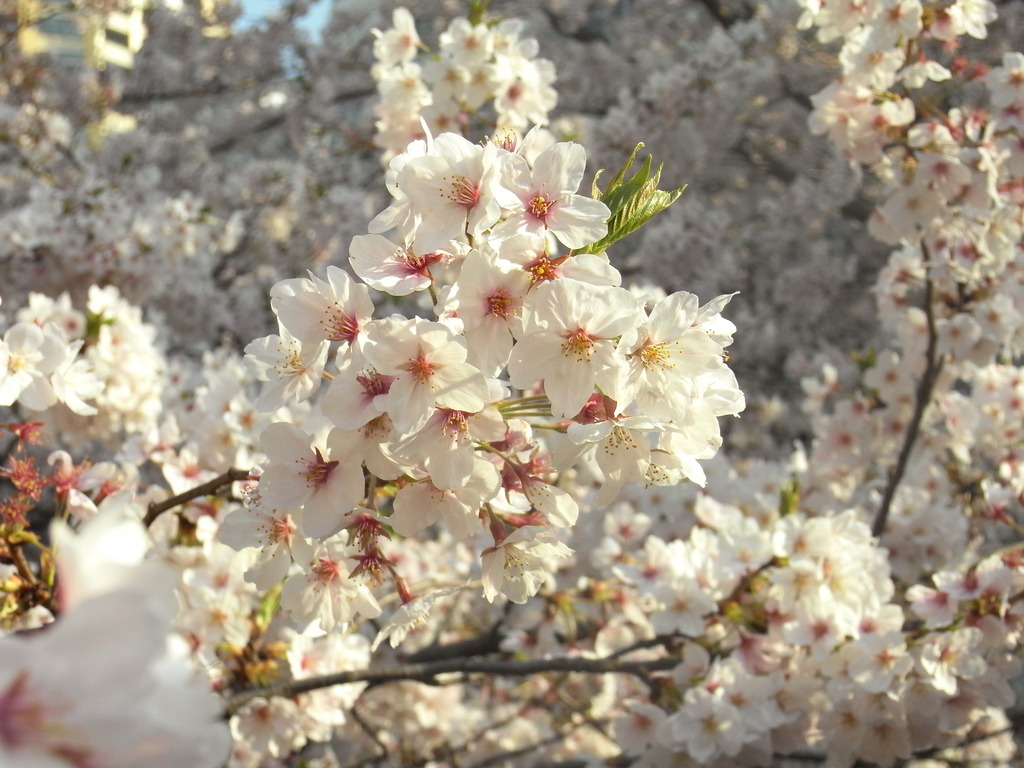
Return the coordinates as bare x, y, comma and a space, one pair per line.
206, 489
923, 396
371, 733
429, 672
21, 563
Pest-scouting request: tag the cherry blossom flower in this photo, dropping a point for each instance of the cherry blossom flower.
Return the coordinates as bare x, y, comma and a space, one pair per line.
299, 474
423, 503
518, 566
104, 684
533, 253
75, 380
568, 341
273, 532
28, 355
395, 269
949, 656
271, 726
314, 310
323, 593
428, 363
666, 354
445, 445
546, 199
399, 43
488, 298
710, 727
454, 189
1006, 82
293, 369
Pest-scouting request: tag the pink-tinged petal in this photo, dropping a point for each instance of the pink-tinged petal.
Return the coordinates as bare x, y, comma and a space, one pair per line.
461, 387
575, 385
324, 513
410, 404
529, 363
283, 442
451, 465
560, 167
555, 504
416, 506
580, 222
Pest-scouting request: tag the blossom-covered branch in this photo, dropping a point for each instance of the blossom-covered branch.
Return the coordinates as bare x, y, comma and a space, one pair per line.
459, 670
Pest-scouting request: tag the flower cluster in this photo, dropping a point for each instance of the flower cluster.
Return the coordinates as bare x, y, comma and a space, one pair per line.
481, 456
476, 64
101, 364
794, 630
439, 417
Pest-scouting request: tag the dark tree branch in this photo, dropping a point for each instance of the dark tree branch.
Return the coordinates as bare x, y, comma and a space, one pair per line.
226, 143
724, 14
923, 396
382, 750
464, 668
481, 645
215, 89
206, 489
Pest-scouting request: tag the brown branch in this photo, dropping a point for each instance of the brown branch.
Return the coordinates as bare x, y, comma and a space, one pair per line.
371, 733
923, 396
225, 143
213, 89
21, 563
488, 642
465, 668
206, 489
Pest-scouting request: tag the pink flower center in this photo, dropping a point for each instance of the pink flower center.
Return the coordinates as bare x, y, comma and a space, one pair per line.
500, 304
507, 142
374, 383
455, 425
421, 369
318, 470
596, 409
542, 269
326, 570
19, 714
418, 265
540, 206
341, 326
281, 531
25, 721
464, 192
578, 344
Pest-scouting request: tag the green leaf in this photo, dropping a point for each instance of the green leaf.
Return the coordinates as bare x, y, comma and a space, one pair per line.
633, 201
617, 181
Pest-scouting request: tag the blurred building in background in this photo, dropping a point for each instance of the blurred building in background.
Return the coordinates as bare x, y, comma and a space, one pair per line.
92, 39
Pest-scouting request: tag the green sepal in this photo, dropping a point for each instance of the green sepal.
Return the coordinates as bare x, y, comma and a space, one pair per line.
477, 11
789, 497
632, 202
93, 323
267, 608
